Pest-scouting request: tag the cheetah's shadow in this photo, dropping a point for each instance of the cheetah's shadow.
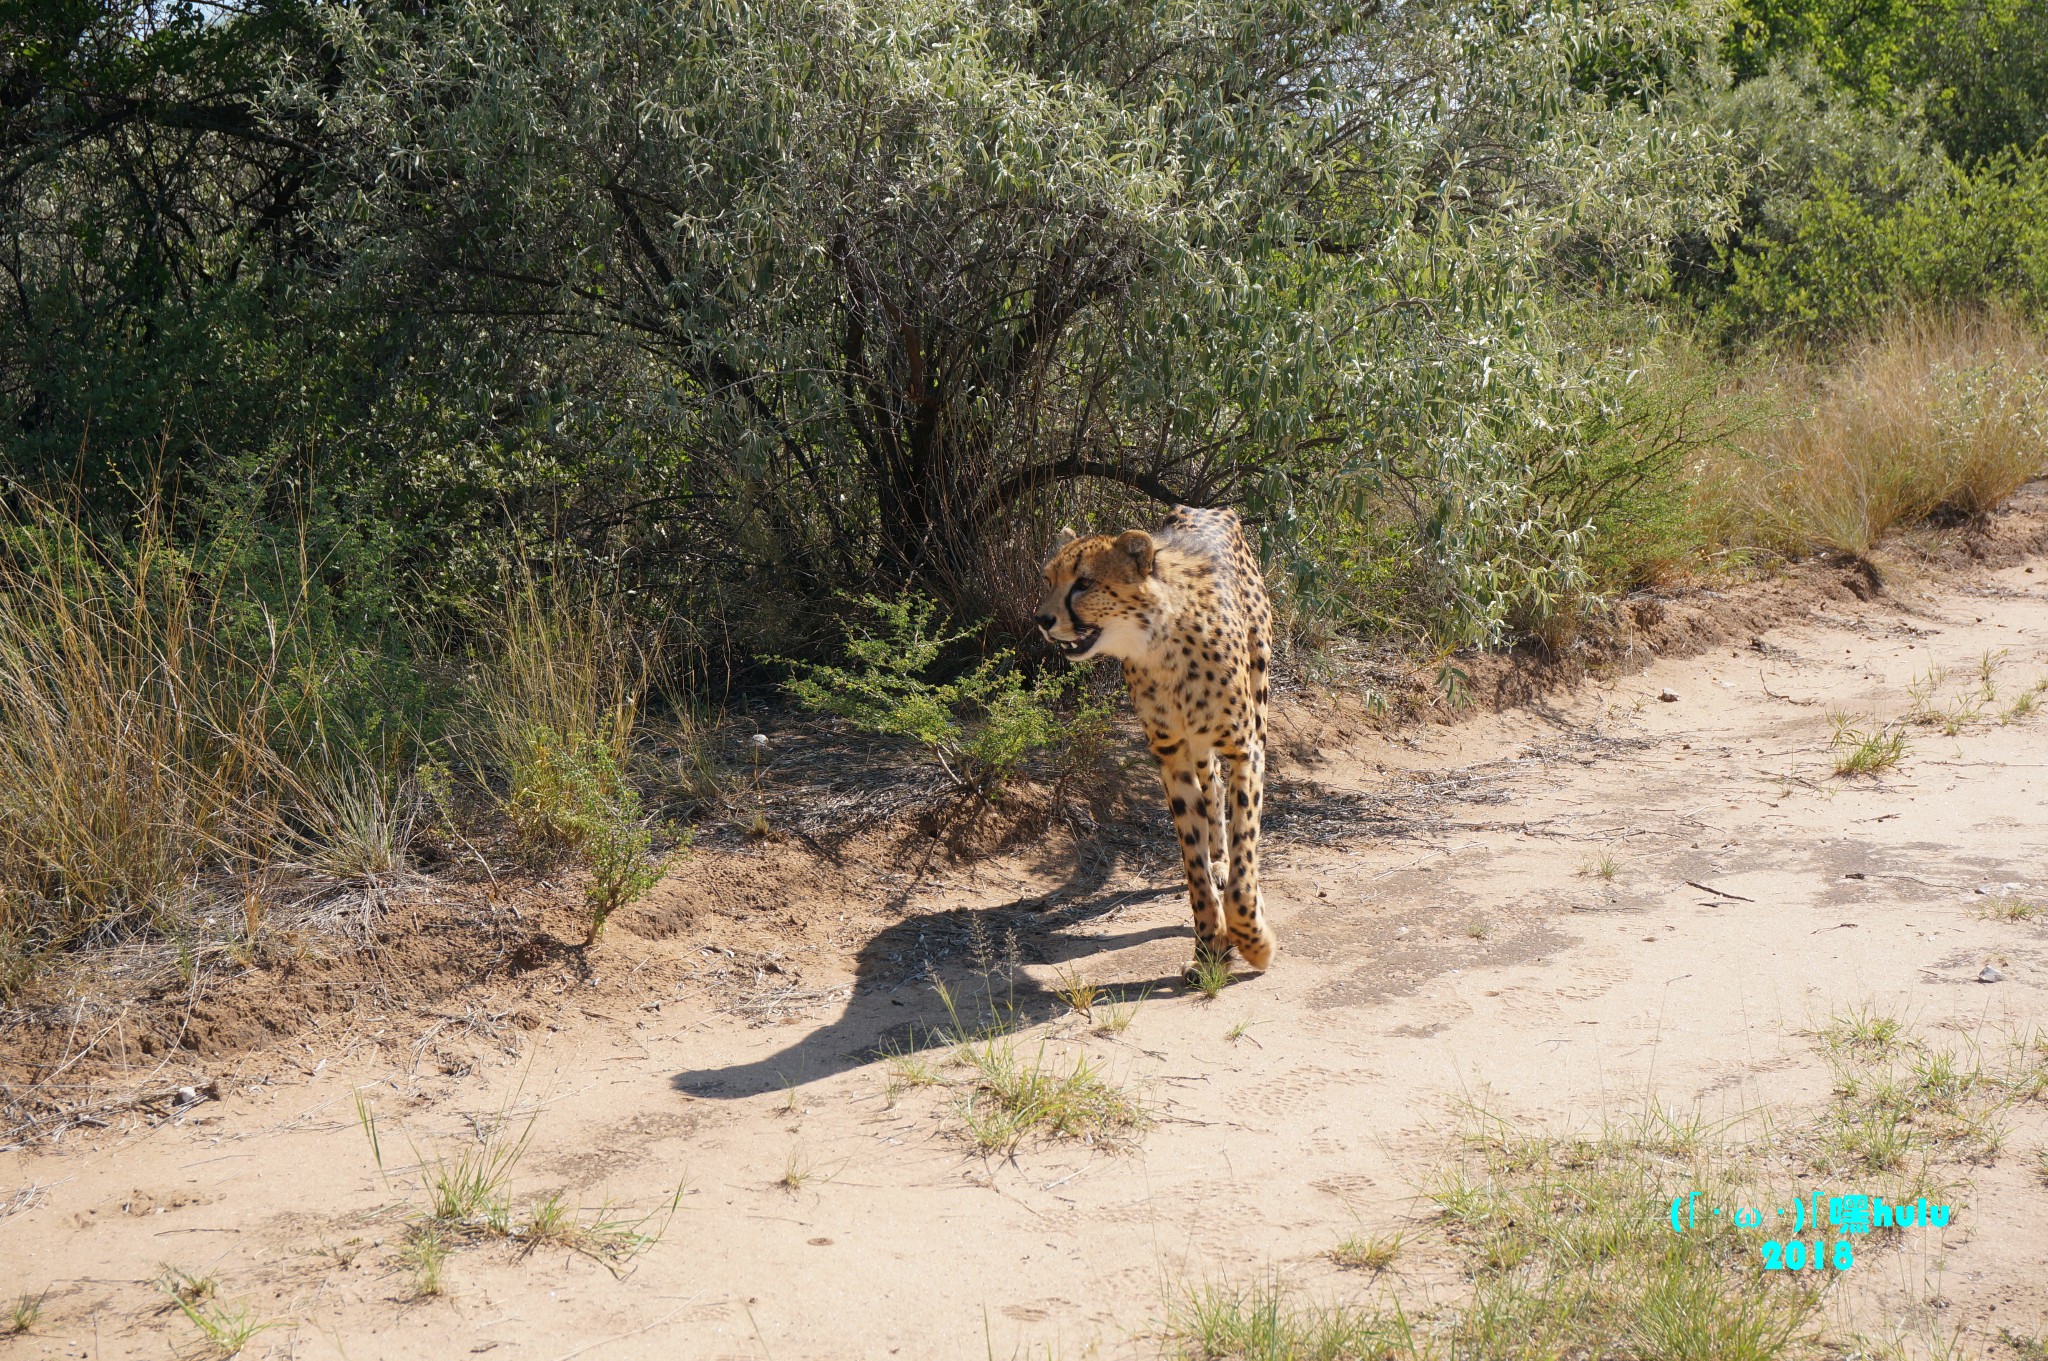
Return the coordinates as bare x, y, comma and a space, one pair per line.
896, 1009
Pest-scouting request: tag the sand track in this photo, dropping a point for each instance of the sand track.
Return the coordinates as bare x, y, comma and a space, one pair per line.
1463, 945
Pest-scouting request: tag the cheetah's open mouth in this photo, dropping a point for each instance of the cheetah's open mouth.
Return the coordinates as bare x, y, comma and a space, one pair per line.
1081, 642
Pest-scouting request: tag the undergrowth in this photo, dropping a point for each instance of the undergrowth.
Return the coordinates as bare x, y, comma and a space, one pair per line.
156, 755
1936, 418
557, 693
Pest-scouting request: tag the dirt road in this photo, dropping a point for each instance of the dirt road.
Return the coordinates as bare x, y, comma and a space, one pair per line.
1561, 912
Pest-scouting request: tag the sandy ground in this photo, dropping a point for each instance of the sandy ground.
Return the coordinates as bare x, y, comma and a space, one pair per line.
1459, 944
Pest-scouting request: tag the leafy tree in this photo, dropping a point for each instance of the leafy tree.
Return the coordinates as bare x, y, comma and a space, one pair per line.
147, 200
842, 293
1978, 68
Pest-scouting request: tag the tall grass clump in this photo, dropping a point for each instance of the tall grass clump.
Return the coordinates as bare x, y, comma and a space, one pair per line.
1936, 418
173, 733
135, 741
560, 660
355, 816
555, 695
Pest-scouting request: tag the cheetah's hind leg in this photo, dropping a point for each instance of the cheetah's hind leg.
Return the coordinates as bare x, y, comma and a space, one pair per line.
1256, 945
1245, 900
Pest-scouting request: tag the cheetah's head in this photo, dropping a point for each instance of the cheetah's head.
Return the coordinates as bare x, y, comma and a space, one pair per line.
1099, 595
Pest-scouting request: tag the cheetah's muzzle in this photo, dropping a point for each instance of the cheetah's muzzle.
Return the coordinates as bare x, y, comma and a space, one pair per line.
1079, 645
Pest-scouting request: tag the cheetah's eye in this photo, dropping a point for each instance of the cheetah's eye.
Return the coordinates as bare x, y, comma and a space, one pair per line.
1083, 584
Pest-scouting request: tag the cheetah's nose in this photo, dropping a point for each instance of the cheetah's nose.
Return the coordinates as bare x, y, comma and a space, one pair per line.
1046, 621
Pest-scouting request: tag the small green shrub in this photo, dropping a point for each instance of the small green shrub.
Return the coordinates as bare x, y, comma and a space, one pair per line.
571, 798
980, 727
616, 852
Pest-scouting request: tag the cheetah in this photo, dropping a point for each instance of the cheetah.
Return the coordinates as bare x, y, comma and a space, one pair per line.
1185, 611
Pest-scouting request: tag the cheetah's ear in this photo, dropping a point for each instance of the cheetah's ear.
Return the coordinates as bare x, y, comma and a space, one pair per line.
1067, 536
1138, 544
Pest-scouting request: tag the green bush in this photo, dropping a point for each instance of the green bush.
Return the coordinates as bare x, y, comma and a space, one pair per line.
1840, 264
1851, 212
1979, 70
571, 798
980, 726
1513, 483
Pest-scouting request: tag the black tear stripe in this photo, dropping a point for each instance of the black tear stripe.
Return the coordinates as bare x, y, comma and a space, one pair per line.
1073, 591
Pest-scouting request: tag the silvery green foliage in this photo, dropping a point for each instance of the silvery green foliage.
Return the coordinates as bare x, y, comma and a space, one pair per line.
1466, 406
843, 288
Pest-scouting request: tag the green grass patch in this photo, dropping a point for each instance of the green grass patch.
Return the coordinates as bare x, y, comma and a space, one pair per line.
1568, 1246
1013, 1096
1367, 1252
1268, 1322
1868, 749
1209, 975
1901, 1101
224, 1329
467, 1199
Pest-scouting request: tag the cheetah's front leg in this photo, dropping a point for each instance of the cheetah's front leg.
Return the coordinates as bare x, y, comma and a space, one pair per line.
1195, 822
1245, 903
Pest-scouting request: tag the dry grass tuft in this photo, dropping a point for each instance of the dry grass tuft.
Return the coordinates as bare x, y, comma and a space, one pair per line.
559, 686
1938, 418
137, 744
561, 662
2009, 909
1374, 1252
166, 743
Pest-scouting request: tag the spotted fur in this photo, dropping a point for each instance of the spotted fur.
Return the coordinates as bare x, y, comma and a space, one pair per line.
1185, 610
